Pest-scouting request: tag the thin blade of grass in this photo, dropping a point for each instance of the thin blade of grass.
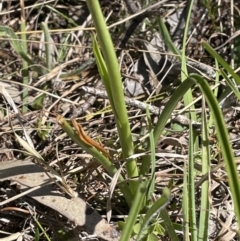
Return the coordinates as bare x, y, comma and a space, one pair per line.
38, 102
163, 118
224, 141
185, 204
167, 39
222, 62
41, 228
102, 68
152, 156
159, 205
232, 85
70, 20
25, 73
204, 206
216, 91
168, 225
188, 98
17, 45
191, 186
115, 90
135, 208
184, 72
47, 41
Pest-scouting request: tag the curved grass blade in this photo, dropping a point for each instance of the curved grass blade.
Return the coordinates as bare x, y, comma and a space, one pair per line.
154, 210
165, 115
222, 62
167, 39
231, 85
224, 141
168, 225
135, 208
70, 20
16, 43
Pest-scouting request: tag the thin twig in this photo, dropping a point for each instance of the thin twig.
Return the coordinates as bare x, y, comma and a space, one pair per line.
181, 119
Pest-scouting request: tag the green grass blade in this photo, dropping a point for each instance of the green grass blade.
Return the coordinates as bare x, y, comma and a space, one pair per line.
168, 225
17, 45
102, 68
70, 20
184, 72
115, 92
167, 39
222, 62
216, 91
224, 141
204, 207
47, 45
165, 115
152, 156
64, 47
42, 229
185, 204
232, 85
154, 210
135, 208
191, 187
25, 73
188, 98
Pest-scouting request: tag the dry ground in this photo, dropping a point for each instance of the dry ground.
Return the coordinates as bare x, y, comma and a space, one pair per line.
71, 48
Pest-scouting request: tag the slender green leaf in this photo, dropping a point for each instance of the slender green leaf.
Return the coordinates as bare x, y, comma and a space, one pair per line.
222, 62
232, 85
37, 235
115, 92
191, 187
47, 40
185, 204
163, 118
204, 207
224, 141
210, 122
168, 225
17, 45
70, 20
167, 39
42, 229
154, 210
25, 73
135, 208
188, 98
152, 156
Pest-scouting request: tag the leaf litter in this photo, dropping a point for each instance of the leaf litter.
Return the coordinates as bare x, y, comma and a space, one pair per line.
33, 180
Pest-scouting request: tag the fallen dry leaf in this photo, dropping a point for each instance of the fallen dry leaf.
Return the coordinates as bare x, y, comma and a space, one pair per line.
28, 175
